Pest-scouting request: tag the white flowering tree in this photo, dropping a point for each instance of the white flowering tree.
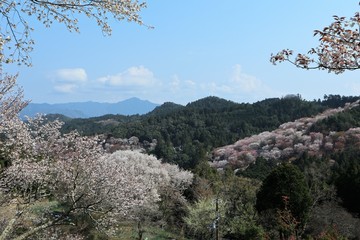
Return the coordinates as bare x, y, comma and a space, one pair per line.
16, 15
11, 97
52, 180
11, 102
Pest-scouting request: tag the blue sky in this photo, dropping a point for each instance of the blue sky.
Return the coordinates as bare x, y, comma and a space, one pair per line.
197, 48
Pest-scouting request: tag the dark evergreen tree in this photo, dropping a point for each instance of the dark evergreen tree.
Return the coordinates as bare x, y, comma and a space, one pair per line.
347, 179
285, 181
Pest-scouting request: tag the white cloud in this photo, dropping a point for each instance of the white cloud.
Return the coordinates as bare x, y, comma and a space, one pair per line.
139, 81
238, 87
245, 82
238, 82
65, 88
71, 75
190, 83
133, 76
68, 80
175, 83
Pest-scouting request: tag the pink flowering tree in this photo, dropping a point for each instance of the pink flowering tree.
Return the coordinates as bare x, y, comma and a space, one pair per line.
338, 49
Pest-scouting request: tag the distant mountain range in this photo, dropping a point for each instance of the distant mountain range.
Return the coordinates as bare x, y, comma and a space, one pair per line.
130, 106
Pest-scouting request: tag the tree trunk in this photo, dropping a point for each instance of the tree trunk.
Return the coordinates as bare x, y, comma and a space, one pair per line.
34, 230
8, 230
140, 230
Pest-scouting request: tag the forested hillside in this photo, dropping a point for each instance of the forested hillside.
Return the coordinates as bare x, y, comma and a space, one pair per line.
274, 169
339, 130
185, 134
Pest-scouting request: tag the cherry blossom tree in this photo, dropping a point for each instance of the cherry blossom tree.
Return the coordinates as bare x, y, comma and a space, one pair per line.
11, 97
11, 102
338, 50
51, 179
15, 29
70, 177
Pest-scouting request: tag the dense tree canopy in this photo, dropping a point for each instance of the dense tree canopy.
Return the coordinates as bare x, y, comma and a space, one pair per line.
285, 181
347, 178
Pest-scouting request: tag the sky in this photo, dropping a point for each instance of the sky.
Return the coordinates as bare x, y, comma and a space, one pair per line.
197, 48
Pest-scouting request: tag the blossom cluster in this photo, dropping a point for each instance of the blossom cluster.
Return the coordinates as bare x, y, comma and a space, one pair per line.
15, 31
338, 48
291, 139
80, 175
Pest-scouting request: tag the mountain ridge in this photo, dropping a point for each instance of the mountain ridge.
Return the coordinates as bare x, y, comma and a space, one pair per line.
131, 106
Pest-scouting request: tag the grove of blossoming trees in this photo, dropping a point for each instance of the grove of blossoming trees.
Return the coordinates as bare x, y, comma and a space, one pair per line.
77, 179
70, 177
291, 139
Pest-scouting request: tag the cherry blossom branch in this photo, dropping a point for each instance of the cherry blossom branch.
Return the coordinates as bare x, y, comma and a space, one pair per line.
338, 50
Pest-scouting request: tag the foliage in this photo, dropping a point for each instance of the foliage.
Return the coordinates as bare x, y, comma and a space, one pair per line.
347, 178
338, 49
186, 134
331, 233
340, 122
285, 181
330, 216
318, 175
128, 231
260, 169
241, 217
335, 100
204, 217
236, 217
37, 146
287, 223
15, 36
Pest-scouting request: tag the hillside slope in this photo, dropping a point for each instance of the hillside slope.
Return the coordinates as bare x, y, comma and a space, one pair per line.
291, 139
